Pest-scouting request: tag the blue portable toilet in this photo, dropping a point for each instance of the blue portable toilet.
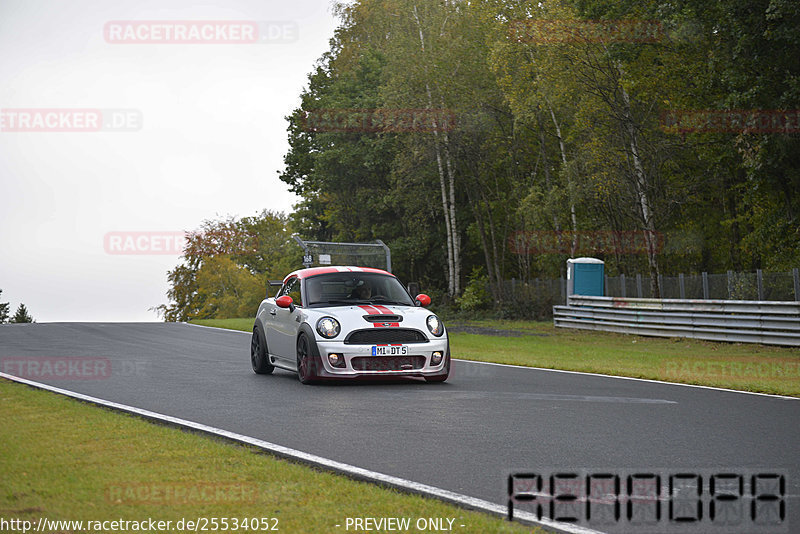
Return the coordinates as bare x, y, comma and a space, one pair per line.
585, 277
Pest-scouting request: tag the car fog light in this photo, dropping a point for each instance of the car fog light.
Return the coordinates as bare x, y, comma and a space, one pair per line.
436, 358
336, 360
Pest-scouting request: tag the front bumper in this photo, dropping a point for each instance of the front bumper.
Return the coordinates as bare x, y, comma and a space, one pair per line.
349, 352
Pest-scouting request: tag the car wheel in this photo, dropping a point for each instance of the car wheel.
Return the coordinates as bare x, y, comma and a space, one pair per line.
442, 377
259, 359
306, 369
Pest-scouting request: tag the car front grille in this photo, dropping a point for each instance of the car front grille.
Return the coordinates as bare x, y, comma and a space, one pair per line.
388, 363
385, 318
374, 336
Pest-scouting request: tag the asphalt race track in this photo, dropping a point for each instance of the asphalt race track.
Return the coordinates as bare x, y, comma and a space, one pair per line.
465, 435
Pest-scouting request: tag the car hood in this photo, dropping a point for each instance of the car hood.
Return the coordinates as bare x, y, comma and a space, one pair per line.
356, 317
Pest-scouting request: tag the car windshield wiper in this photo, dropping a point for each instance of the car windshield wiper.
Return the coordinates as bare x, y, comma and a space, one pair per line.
343, 301
387, 301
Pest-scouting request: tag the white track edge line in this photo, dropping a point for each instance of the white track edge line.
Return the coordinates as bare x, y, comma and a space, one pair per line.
307, 458
773, 395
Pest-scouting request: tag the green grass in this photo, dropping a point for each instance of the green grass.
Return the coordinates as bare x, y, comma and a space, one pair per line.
742, 366
246, 325
63, 459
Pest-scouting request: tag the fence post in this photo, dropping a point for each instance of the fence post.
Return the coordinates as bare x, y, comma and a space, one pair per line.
605, 289
622, 283
639, 285
796, 276
661, 286
760, 284
705, 285
730, 285
681, 286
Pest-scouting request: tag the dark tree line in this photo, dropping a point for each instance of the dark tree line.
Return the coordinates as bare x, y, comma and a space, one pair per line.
489, 140
563, 134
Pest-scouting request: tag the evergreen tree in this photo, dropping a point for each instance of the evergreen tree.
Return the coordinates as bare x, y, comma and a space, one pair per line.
22, 315
3, 310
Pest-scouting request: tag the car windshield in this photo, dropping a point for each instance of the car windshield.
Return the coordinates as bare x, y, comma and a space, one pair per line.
352, 288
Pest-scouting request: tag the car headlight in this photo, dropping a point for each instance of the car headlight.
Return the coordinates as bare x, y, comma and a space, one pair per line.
328, 327
435, 325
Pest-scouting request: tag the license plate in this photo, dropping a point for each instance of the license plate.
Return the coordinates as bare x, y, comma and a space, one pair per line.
389, 350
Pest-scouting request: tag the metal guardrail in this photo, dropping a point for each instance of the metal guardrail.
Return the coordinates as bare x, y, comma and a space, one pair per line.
720, 306
774, 323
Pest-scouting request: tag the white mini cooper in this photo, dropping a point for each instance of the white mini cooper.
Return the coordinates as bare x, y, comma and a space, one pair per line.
348, 322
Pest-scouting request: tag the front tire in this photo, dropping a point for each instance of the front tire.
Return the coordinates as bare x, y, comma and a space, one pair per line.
259, 359
306, 368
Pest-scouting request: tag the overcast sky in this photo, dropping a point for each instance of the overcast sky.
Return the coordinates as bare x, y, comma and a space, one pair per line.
204, 137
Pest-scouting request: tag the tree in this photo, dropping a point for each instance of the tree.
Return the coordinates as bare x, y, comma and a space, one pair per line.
423, 57
604, 93
255, 249
22, 315
353, 184
227, 290
755, 58
3, 310
564, 132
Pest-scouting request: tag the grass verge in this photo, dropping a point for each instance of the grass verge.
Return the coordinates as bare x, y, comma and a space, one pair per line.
66, 460
741, 366
245, 325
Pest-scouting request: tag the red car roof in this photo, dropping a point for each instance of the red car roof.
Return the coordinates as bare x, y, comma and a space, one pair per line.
314, 271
